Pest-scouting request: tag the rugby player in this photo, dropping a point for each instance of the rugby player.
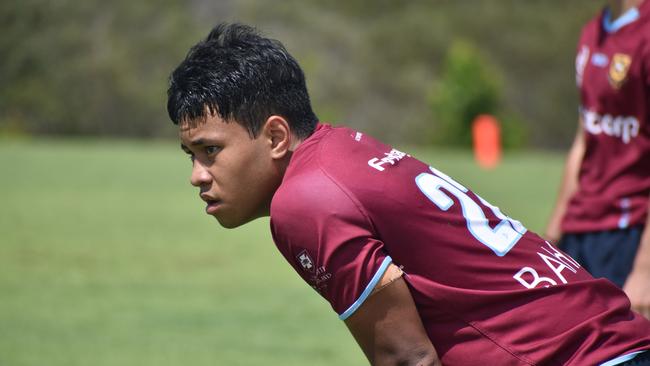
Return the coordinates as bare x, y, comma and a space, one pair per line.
601, 215
422, 270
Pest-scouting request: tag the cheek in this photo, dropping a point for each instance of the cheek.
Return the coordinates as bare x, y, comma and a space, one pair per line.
240, 170
245, 169
255, 176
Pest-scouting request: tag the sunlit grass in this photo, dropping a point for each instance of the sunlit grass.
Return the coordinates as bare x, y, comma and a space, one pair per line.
106, 258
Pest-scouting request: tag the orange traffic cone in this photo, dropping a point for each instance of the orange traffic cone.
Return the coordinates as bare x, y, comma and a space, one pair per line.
486, 135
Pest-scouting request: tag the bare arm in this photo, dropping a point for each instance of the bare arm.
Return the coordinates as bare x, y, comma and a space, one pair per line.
388, 327
637, 286
568, 186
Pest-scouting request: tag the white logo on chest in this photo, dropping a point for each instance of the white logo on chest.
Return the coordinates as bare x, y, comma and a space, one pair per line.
624, 127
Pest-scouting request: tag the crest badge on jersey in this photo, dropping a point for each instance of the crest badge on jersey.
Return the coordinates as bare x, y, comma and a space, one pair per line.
305, 261
618, 69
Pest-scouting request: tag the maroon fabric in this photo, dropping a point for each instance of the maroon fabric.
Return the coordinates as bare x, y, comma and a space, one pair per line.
488, 291
613, 75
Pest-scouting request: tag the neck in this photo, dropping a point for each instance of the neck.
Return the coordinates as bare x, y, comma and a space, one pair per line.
618, 7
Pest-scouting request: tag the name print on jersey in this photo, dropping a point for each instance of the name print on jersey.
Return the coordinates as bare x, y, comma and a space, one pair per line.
555, 260
624, 127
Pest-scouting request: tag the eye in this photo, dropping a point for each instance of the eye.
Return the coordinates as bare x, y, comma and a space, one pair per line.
210, 150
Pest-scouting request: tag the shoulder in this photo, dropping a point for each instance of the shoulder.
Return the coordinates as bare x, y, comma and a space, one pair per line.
326, 168
310, 197
591, 29
323, 180
344, 172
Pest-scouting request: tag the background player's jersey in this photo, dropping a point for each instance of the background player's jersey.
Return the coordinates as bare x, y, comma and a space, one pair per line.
488, 291
613, 74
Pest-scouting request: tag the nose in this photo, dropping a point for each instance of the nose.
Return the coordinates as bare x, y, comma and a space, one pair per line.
200, 175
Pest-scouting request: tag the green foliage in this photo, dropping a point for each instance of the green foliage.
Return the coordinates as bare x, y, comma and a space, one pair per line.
107, 259
514, 131
468, 87
100, 67
89, 67
378, 60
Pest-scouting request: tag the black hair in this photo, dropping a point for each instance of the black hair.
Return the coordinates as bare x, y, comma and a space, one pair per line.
242, 77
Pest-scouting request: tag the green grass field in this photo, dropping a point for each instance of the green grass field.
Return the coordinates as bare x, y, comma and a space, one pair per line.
106, 258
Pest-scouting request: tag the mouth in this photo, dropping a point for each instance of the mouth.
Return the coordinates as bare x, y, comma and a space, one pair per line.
212, 207
212, 204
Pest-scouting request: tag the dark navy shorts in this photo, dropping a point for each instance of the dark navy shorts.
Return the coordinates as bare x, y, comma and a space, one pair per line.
608, 254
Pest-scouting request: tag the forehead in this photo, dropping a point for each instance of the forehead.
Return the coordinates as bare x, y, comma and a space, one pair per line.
210, 127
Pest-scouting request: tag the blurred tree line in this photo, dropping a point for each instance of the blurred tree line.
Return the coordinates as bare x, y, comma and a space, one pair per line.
406, 72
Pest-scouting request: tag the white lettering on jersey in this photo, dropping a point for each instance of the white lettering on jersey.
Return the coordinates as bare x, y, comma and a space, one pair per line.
500, 239
558, 261
535, 280
555, 260
391, 158
624, 127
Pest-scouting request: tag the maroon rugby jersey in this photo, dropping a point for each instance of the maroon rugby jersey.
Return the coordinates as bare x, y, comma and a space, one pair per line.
613, 74
488, 291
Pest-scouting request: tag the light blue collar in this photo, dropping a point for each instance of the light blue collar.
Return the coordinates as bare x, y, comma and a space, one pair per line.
626, 18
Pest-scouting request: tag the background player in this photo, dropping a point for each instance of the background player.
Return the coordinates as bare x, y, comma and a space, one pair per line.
421, 269
602, 208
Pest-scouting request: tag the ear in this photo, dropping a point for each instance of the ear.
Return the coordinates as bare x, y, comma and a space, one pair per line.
276, 129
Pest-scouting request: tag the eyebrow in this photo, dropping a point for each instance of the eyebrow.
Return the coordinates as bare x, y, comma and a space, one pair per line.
197, 142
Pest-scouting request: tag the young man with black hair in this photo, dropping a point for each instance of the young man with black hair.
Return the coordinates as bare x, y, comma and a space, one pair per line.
422, 270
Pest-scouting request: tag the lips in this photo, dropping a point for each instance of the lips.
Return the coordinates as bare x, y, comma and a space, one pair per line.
212, 207
212, 204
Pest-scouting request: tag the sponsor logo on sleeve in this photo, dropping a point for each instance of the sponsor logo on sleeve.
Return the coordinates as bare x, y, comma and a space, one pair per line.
618, 69
317, 277
390, 158
305, 261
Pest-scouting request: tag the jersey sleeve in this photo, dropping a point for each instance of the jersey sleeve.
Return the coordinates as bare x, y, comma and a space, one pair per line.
582, 56
328, 239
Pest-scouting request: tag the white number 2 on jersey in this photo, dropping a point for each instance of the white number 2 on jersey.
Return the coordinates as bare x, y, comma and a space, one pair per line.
501, 239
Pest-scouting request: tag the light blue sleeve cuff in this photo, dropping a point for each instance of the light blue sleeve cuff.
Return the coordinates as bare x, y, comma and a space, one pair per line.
621, 359
368, 290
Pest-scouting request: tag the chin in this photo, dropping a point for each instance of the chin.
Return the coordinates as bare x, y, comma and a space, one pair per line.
230, 224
